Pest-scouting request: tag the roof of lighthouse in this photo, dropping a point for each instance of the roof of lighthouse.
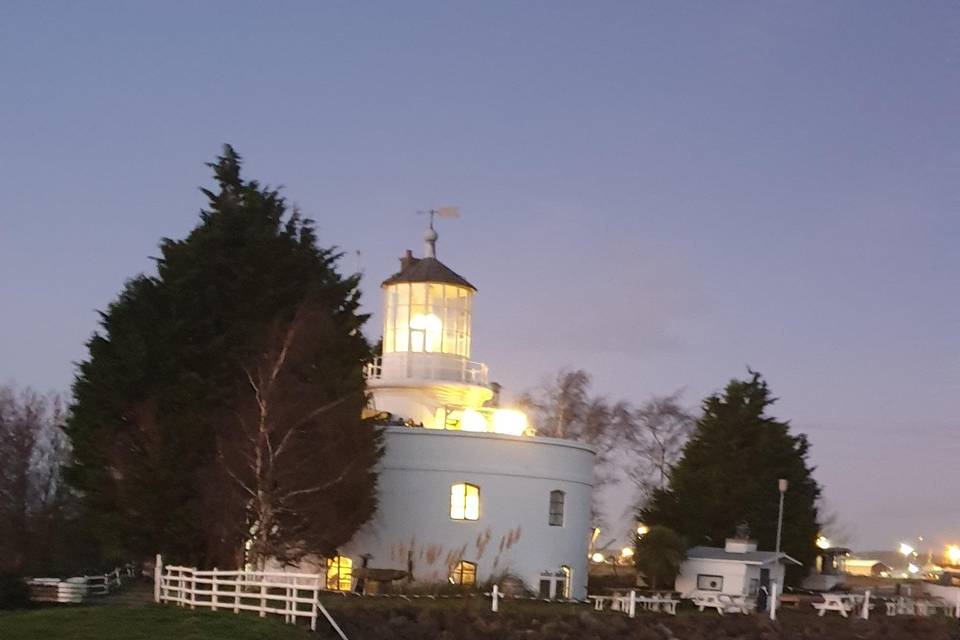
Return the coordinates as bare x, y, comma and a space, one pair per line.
426, 270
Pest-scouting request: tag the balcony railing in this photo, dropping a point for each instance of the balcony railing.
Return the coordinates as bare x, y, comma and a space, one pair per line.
426, 366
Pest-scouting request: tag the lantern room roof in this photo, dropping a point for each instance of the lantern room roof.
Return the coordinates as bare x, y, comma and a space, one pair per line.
426, 270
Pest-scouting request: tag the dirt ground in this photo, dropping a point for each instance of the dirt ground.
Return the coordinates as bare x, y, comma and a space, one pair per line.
471, 620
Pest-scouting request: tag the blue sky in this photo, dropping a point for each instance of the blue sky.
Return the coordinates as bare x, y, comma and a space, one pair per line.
660, 193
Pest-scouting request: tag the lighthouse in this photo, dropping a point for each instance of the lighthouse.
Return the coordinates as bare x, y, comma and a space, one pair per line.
467, 492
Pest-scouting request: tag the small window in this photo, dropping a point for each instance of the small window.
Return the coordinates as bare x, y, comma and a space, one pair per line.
754, 587
464, 501
567, 581
339, 573
556, 508
464, 573
709, 583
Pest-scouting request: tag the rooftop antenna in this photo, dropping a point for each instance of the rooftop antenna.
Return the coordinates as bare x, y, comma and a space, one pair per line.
430, 236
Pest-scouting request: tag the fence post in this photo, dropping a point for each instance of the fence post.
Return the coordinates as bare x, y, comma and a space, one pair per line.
157, 577
193, 589
633, 603
237, 589
865, 612
495, 597
213, 590
773, 600
263, 598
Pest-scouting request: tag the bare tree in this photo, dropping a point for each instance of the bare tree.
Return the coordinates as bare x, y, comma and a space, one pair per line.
657, 433
295, 452
32, 449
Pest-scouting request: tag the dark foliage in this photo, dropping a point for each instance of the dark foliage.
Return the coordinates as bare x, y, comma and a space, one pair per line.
13, 591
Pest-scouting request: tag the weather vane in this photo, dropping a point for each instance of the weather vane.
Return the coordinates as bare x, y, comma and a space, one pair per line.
431, 235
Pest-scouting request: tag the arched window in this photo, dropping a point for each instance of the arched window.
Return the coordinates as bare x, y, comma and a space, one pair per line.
556, 508
464, 573
339, 573
465, 501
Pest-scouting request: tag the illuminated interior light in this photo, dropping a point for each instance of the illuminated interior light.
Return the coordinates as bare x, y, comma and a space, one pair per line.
472, 420
509, 421
425, 332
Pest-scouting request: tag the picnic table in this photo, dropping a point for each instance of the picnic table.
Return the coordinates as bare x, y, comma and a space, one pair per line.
723, 603
842, 603
620, 601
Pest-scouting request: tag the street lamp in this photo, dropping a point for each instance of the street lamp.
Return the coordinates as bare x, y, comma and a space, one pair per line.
782, 486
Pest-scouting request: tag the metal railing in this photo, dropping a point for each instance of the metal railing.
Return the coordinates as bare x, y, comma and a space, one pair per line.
428, 367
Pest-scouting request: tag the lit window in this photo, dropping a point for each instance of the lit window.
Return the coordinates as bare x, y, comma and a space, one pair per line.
465, 501
556, 508
709, 583
339, 570
464, 573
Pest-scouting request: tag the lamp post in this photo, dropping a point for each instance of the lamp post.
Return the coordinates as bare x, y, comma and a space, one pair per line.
782, 485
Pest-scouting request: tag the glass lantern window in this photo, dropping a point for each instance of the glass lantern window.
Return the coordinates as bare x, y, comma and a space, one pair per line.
427, 317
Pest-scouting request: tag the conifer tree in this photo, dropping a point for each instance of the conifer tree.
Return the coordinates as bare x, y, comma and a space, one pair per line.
160, 383
728, 476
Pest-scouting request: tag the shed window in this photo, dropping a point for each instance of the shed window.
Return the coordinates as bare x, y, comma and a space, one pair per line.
709, 583
339, 573
556, 508
464, 573
464, 501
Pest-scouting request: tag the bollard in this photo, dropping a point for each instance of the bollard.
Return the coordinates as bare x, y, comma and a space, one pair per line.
865, 613
495, 605
633, 603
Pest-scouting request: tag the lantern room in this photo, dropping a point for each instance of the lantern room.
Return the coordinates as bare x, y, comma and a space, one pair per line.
426, 317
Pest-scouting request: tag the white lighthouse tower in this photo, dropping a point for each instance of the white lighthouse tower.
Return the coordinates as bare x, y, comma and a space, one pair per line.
467, 492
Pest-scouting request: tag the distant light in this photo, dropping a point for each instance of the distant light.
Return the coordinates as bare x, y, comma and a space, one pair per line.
912, 568
823, 542
627, 552
953, 553
905, 549
643, 530
597, 557
473, 421
509, 421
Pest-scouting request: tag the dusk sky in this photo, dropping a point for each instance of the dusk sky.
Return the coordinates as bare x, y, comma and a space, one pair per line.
659, 193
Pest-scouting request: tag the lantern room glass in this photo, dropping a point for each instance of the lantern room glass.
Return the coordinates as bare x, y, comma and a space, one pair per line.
427, 317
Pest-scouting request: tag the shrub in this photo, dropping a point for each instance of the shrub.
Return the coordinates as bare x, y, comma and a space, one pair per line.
14, 593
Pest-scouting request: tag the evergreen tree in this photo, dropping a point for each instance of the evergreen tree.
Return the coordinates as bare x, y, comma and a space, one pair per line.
161, 378
728, 475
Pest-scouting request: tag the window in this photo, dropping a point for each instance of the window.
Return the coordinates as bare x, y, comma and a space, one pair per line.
339, 570
465, 501
567, 581
556, 508
427, 318
754, 587
709, 583
464, 573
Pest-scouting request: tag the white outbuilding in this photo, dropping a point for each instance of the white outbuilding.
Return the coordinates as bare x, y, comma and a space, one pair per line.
737, 569
467, 491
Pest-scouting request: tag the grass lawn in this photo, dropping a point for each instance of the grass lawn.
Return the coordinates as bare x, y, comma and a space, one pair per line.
142, 623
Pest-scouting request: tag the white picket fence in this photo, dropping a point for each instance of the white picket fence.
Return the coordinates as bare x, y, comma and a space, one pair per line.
295, 596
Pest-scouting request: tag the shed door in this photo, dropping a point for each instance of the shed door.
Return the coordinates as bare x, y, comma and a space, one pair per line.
765, 578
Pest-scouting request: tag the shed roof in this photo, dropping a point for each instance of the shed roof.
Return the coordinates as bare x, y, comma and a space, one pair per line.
749, 557
426, 270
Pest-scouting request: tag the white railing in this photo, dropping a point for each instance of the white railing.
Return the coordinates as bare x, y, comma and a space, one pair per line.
294, 596
427, 366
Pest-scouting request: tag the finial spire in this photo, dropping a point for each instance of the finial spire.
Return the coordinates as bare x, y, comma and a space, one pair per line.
430, 236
